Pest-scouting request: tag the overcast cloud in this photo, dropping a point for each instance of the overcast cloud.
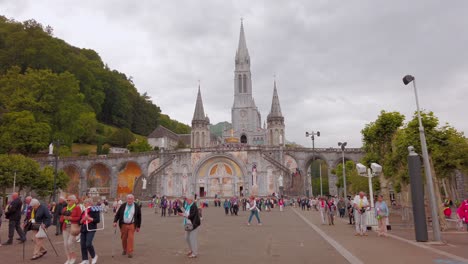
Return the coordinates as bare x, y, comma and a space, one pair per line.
337, 63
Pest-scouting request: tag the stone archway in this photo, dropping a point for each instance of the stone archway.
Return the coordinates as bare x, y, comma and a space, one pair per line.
317, 165
294, 182
73, 173
98, 178
127, 178
220, 175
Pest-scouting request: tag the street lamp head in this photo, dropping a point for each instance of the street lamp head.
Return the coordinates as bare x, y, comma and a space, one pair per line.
361, 169
342, 145
318, 133
307, 134
407, 79
376, 168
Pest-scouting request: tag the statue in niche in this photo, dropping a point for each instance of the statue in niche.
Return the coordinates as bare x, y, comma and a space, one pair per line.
280, 180
254, 174
143, 181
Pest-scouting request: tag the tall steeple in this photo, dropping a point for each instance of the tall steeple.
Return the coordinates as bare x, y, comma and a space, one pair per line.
199, 113
242, 54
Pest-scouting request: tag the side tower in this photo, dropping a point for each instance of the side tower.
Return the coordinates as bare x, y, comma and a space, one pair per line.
275, 122
200, 135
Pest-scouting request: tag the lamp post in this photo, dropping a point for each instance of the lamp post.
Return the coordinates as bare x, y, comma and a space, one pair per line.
343, 146
427, 167
14, 182
312, 137
374, 170
57, 145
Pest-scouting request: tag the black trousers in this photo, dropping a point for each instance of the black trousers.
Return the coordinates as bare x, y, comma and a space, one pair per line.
86, 241
163, 211
236, 209
12, 226
226, 210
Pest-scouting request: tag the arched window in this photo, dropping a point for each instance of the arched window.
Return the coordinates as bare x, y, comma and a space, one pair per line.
239, 83
243, 139
244, 83
203, 139
197, 140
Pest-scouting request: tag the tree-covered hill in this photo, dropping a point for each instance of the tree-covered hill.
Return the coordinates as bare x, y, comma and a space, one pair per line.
52, 90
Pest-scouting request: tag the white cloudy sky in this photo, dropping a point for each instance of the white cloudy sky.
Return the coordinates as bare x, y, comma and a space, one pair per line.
338, 63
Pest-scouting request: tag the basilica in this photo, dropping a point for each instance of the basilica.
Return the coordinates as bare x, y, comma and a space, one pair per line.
246, 120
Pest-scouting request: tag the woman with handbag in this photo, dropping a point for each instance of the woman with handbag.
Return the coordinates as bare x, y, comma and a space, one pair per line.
191, 224
90, 217
69, 219
39, 221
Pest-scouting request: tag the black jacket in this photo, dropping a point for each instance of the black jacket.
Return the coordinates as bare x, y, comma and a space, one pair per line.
95, 214
58, 211
14, 210
119, 216
194, 216
42, 216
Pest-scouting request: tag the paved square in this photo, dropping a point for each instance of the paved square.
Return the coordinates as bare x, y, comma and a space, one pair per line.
285, 237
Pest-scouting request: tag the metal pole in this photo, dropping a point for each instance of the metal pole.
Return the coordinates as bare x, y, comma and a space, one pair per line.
344, 175
321, 187
371, 193
427, 171
14, 182
313, 159
56, 171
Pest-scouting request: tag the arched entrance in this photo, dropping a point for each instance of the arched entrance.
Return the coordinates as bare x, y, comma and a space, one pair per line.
221, 176
127, 178
98, 180
74, 183
243, 139
294, 182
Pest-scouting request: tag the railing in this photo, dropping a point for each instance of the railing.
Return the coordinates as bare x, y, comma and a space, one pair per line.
220, 148
276, 163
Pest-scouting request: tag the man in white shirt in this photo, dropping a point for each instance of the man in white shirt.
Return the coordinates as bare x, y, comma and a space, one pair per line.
360, 204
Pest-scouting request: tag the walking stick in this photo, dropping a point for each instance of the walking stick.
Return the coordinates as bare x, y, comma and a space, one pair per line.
113, 241
24, 245
52, 245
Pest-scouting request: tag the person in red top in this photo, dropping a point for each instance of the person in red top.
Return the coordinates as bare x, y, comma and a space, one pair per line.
71, 215
462, 212
89, 220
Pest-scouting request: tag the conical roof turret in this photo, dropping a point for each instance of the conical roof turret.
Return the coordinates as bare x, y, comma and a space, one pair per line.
275, 111
199, 113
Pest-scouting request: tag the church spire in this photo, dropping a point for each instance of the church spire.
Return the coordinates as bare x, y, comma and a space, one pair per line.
242, 53
275, 104
199, 114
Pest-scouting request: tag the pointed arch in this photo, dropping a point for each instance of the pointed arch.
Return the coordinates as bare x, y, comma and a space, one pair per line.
239, 82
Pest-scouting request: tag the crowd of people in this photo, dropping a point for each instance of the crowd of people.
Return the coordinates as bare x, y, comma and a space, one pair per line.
76, 220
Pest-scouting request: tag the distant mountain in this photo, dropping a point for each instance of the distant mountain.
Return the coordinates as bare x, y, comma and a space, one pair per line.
219, 128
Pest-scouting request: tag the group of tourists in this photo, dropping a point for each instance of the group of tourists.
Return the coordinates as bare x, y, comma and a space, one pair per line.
71, 218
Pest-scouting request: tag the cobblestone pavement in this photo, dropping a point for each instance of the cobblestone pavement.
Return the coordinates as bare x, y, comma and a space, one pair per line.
288, 237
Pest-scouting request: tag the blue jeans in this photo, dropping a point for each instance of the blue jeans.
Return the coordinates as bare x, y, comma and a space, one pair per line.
252, 213
87, 245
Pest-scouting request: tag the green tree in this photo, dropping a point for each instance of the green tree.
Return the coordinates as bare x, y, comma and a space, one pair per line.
43, 184
88, 125
52, 98
354, 182
19, 132
26, 170
121, 138
139, 146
